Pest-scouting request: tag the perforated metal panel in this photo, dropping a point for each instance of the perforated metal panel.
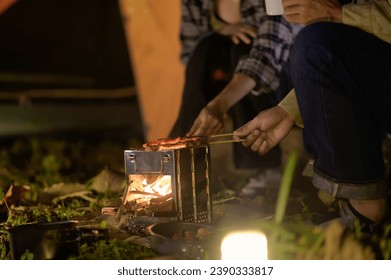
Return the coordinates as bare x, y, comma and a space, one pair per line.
188, 169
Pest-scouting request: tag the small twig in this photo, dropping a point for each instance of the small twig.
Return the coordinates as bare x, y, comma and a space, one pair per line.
2, 198
144, 193
6, 205
81, 194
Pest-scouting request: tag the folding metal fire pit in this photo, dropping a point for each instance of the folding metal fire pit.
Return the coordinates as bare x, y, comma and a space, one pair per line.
169, 184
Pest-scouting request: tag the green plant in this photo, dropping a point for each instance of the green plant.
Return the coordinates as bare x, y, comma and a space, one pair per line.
294, 238
114, 249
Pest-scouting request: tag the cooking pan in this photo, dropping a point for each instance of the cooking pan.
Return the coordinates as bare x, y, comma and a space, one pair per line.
189, 240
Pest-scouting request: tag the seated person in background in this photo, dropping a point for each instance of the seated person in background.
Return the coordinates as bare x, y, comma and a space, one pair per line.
340, 62
233, 54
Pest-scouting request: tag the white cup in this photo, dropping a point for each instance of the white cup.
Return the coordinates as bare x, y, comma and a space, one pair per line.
274, 7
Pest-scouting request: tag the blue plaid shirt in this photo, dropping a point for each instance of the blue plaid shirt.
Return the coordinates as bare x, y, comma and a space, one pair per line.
269, 50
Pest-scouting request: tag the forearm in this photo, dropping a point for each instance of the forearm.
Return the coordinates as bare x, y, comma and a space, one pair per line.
237, 88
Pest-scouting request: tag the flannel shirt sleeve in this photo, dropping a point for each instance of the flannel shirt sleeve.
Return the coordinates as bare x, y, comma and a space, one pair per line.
269, 52
194, 25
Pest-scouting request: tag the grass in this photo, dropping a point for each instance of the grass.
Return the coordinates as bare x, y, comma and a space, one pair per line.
31, 165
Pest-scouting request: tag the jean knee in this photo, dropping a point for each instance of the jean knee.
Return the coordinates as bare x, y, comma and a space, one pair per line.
312, 43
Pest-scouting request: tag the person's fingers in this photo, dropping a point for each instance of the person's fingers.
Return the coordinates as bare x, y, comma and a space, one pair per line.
256, 145
245, 130
263, 149
251, 138
235, 39
244, 38
194, 128
249, 30
257, 141
261, 144
293, 11
246, 33
205, 128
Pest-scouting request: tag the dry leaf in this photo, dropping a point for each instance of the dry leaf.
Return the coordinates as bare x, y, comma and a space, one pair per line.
12, 197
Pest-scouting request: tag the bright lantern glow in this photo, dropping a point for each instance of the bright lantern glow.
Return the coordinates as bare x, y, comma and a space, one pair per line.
244, 245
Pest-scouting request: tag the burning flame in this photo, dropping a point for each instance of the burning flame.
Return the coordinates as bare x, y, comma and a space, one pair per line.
162, 185
145, 187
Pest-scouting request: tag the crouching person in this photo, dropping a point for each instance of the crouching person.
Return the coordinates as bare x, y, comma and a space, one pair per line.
340, 69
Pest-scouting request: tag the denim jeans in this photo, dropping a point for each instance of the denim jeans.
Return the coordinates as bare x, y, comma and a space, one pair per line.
341, 75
